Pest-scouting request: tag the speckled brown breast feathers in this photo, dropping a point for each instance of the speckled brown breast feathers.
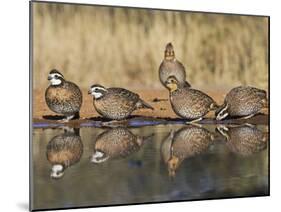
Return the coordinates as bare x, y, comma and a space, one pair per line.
191, 103
64, 99
118, 103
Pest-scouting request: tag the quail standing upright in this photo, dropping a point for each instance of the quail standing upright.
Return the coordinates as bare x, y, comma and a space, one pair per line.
242, 101
62, 96
189, 103
171, 66
116, 103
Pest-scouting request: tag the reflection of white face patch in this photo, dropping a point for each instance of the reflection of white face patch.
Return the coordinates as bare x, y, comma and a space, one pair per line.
97, 157
57, 171
223, 130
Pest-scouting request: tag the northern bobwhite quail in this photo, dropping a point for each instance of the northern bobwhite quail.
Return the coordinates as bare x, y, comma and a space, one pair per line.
189, 103
116, 103
64, 151
171, 66
244, 139
63, 97
184, 143
242, 101
116, 143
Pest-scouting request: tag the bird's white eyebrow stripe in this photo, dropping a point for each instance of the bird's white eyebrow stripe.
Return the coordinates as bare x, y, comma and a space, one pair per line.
101, 88
53, 74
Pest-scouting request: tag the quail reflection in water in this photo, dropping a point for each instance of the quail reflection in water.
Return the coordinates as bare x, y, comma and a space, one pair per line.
116, 143
64, 151
184, 143
244, 139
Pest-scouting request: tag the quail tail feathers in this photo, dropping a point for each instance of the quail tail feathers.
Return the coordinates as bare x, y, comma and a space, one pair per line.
143, 104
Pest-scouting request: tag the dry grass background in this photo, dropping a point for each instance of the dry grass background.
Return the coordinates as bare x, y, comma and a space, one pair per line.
124, 47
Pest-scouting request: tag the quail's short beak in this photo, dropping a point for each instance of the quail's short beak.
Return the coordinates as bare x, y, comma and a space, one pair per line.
49, 77
89, 92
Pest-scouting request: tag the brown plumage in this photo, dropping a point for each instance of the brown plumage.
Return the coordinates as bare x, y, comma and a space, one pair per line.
64, 151
170, 66
63, 97
184, 143
116, 103
244, 139
242, 101
116, 143
187, 102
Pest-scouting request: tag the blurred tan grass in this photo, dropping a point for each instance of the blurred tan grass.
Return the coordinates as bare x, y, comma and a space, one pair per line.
124, 47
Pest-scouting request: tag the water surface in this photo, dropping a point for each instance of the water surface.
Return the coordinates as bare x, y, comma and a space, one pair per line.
104, 166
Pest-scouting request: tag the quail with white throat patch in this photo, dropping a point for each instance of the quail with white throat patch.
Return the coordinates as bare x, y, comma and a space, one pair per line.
243, 102
171, 66
62, 96
116, 103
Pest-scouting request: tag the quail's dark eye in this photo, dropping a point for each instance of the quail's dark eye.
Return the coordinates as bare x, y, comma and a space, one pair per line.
56, 77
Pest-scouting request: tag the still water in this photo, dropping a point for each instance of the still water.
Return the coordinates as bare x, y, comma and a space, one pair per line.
106, 166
